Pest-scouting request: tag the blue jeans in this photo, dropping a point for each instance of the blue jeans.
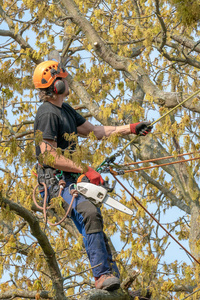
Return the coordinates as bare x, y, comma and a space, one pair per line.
88, 220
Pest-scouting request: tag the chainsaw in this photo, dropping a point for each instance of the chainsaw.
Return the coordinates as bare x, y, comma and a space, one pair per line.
98, 194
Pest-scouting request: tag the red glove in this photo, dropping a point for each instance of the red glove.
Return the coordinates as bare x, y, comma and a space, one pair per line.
141, 128
93, 176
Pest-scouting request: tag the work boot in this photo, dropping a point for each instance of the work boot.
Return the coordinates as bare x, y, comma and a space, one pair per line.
107, 282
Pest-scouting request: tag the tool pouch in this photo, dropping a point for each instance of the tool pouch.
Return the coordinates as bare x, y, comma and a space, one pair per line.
47, 175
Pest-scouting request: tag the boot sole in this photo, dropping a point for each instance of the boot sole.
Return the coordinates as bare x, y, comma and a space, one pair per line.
111, 287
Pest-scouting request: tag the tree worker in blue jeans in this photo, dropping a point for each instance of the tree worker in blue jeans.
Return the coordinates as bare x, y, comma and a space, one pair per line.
54, 118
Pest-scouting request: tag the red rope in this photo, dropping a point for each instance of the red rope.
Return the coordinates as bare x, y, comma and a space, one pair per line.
159, 158
44, 208
161, 165
144, 208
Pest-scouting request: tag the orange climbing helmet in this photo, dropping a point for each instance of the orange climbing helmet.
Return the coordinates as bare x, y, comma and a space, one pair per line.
46, 72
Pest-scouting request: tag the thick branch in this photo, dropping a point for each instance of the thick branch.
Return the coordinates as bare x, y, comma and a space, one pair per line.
44, 243
183, 288
120, 63
105, 295
11, 294
19, 39
115, 295
186, 60
193, 46
6, 18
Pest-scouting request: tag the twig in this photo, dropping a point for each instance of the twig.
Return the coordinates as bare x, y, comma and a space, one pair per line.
191, 294
129, 280
81, 272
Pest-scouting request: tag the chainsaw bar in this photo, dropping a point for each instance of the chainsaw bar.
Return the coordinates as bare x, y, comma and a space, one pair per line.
98, 194
117, 205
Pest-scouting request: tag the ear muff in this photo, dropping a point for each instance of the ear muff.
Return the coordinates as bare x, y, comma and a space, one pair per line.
59, 87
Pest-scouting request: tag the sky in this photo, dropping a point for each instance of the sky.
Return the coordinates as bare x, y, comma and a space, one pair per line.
173, 252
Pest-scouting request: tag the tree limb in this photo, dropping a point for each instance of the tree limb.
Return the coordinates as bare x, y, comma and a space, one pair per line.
105, 295
183, 288
184, 183
164, 30
12, 294
174, 200
43, 241
137, 73
184, 41
186, 60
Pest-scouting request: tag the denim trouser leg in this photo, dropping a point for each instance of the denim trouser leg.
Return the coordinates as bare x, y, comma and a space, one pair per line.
88, 220
94, 245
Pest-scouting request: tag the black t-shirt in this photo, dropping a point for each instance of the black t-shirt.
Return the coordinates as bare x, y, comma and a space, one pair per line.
55, 121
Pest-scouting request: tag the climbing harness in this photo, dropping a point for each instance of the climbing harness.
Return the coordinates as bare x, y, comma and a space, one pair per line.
51, 184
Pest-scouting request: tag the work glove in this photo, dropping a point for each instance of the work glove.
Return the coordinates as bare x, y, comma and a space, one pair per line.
94, 177
141, 128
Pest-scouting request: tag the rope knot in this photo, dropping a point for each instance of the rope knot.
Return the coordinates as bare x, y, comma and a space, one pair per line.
62, 183
74, 192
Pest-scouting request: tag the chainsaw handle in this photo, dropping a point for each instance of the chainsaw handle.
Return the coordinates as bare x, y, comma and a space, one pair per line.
83, 178
107, 186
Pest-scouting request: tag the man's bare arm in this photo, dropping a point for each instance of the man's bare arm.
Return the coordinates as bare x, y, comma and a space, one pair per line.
61, 163
101, 131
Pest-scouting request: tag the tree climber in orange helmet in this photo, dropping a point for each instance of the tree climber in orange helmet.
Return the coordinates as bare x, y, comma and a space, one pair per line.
55, 118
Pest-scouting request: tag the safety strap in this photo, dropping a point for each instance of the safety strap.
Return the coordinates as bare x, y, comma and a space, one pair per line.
51, 182
50, 177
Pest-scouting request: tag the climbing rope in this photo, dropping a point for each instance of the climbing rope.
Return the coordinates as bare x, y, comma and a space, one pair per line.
152, 167
115, 173
159, 158
44, 208
112, 158
152, 216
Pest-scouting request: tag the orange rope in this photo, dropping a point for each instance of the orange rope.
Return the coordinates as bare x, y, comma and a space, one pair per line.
44, 208
161, 165
157, 159
144, 208
74, 195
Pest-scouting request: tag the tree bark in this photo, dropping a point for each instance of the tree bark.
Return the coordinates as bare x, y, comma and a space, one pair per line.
42, 239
